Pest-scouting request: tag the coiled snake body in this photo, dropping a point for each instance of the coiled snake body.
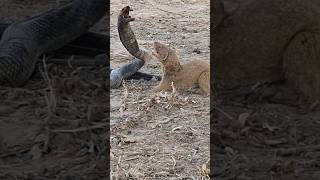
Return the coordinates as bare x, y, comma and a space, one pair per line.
23, 42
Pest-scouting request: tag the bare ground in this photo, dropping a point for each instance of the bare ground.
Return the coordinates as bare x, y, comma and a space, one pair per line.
265, 132
162, 135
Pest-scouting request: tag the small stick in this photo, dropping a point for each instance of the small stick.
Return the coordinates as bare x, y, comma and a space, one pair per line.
174, 161
70, 62
81, 129
298, 150
173, 88
170, 12
50, 98
133, 158
224, 113
124, 99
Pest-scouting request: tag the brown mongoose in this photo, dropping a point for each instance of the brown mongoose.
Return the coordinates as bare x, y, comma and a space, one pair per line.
268, 41
194, 73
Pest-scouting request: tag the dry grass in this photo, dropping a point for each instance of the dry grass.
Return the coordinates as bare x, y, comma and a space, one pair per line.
50, 94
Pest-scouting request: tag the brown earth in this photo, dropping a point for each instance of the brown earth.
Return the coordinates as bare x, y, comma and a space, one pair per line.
160, 135
53, 129
259, 136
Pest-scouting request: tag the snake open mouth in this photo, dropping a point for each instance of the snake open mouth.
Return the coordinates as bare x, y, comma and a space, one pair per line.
125, 11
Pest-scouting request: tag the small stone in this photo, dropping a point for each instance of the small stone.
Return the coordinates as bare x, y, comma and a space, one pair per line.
197, 50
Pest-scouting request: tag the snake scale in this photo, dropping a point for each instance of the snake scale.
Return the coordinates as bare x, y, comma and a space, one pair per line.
129, 41
65, 30
23, 42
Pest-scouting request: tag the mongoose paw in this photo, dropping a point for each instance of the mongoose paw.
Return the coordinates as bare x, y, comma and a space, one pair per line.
156, 89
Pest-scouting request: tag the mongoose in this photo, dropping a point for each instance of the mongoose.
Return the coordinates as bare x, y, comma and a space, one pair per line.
268, 41
194, 73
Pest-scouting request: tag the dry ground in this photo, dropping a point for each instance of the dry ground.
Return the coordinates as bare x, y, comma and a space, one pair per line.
262, 136
160, 136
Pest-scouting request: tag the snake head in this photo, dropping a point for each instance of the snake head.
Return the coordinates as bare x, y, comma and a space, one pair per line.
124, 14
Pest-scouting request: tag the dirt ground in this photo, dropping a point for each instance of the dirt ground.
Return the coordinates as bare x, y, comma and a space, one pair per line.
160, 135
53, 129
259, 134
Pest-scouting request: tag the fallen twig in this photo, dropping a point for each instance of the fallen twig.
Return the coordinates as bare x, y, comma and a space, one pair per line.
224, 113
98, 126
124, 99
174, 162
298, 150
50, 96
133, 158
170, 12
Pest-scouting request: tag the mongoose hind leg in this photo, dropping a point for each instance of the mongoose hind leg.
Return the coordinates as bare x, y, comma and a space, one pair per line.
163, 86
204, 82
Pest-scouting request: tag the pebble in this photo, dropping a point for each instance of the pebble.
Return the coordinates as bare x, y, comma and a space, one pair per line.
197, 50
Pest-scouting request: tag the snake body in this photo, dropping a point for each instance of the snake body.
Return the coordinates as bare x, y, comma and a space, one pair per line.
65, 30
23, 42
129, 41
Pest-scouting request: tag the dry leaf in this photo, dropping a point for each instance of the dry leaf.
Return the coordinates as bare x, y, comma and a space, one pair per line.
176, 128
36, 152
267, 126
274, 142
204, 170
243, 118
229, 150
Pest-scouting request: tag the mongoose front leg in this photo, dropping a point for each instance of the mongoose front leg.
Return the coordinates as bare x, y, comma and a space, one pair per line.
163, 86
204, 82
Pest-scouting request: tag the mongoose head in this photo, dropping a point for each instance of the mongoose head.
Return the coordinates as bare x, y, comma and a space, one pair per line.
167, 56
161, 51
